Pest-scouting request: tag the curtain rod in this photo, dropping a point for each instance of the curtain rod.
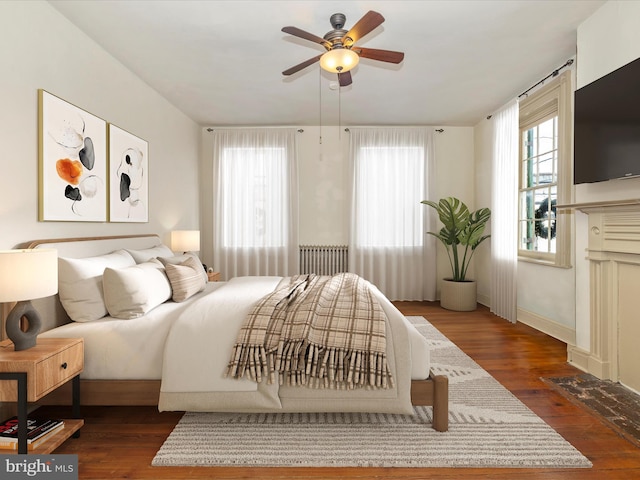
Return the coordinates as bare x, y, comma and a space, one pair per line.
439, 130
552, 74
210, 130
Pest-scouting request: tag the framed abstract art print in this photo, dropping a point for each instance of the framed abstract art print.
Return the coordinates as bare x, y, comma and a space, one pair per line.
72, 170
128, 177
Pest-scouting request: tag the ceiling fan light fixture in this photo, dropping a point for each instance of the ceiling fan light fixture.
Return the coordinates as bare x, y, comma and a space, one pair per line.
339, 60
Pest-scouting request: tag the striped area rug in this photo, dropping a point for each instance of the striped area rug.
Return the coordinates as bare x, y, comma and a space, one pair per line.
488, 427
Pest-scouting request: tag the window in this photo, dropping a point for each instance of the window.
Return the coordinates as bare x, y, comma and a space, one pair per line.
255, 202
388, 244
391, 179
545, 174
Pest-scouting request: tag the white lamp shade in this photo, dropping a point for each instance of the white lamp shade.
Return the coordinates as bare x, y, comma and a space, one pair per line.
185, 240
28, 274
339, 60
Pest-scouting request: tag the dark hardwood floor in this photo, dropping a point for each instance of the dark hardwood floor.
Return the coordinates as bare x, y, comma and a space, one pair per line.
120, 442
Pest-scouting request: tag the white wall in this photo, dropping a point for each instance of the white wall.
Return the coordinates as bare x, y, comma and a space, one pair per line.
39, 48
455, 177
323, 175
324, 186
607, 40
483, 151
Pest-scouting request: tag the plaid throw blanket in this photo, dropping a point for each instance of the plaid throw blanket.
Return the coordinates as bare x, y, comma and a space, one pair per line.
321, 331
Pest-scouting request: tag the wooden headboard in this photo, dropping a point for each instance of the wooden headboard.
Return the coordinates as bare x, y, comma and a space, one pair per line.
50, 308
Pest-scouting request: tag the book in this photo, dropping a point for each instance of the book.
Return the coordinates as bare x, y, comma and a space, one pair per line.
31, 444
37, 431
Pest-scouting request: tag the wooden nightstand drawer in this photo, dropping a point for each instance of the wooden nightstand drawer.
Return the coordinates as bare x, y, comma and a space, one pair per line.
42, 364
213, 276
58, 369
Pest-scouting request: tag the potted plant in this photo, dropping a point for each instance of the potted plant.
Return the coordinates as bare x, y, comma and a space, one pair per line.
461, 234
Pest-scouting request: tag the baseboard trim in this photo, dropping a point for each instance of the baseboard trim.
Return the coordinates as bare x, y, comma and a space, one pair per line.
484, 300
548, 326
578, 358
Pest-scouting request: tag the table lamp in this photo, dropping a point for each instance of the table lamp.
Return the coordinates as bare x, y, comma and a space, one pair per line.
24, 276
185, 241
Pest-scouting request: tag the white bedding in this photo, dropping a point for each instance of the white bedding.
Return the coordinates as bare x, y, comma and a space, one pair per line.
132, 349
211, 325
187, 345
195, 382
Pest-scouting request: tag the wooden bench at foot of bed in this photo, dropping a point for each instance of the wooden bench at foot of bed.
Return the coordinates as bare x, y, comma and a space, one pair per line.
431, 392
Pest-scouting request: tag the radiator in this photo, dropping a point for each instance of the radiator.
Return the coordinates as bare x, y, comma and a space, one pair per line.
323, 259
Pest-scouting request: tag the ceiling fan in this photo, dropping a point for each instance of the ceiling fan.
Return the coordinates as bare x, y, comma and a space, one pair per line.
342, 55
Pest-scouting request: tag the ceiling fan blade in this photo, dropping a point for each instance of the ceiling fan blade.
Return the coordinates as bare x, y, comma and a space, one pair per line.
302, 65
296, 32
344, 79
367, 23
381, 55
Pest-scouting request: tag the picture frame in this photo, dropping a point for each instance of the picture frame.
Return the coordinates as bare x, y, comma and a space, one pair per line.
128, 176
72, 162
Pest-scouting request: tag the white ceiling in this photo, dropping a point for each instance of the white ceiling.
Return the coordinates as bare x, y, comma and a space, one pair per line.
220, 62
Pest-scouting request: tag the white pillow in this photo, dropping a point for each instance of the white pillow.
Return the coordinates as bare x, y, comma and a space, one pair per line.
147, 254
131, 292
186, 280
178, 259
80, 283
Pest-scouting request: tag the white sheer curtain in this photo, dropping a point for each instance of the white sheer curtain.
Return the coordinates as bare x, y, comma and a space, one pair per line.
388, 245
255, 195
504, 218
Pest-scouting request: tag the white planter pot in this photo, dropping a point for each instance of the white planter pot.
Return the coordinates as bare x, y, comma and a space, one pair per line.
458, 296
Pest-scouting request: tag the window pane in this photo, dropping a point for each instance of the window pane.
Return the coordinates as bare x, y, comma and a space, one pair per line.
526, 205
547, 136
254, 193
530, 145
390, 187
545, 169
527, 173
526, 235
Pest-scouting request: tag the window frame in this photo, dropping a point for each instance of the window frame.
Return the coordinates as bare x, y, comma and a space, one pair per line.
554, 99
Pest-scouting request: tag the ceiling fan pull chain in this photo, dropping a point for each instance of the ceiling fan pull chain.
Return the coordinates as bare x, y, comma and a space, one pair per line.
320, 101
339, 112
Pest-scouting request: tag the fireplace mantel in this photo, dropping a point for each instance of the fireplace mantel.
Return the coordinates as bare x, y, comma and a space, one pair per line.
587, 207
614, 277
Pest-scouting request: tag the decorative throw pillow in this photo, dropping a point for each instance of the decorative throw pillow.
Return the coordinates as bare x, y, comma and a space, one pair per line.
146, 254
133, 291
80, 283
178, 259
186, 279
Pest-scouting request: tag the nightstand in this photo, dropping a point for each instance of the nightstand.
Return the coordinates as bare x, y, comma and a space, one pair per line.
213, 276
36, 372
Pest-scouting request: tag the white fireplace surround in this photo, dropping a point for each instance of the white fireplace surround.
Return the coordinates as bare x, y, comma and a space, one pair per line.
614, 278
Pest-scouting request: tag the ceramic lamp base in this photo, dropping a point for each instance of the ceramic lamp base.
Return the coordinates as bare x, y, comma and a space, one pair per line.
23, 340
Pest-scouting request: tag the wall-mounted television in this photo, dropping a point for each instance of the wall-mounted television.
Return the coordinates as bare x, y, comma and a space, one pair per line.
607, 127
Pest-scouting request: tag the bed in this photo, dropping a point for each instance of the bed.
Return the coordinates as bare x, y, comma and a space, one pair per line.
173, 352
